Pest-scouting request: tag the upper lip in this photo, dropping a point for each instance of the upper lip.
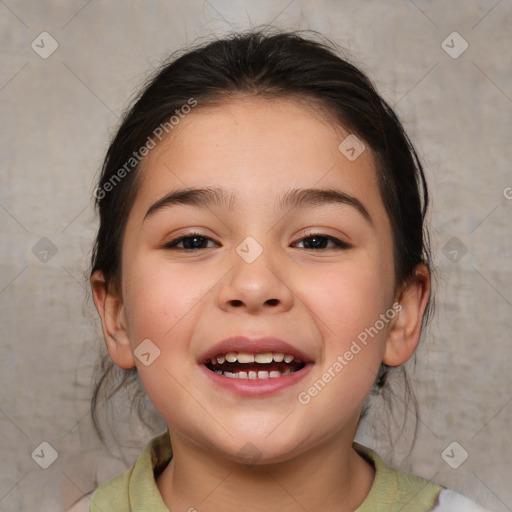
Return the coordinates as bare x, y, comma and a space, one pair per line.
253, 346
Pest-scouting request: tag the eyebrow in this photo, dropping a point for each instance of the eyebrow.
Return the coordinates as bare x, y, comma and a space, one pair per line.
298, 197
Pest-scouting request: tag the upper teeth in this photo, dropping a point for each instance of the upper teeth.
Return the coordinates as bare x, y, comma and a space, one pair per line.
244, 357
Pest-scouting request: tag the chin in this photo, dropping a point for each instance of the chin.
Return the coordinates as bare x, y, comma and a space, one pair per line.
260, 450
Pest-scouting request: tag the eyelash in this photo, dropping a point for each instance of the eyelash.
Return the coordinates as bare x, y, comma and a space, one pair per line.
340, 244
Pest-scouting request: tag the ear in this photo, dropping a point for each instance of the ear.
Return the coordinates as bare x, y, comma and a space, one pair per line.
405, 332
111, 310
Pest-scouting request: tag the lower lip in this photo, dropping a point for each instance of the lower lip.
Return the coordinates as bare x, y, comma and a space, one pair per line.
257, 387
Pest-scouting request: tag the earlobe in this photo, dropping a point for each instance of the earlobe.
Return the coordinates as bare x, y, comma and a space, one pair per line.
405, 333
111, 310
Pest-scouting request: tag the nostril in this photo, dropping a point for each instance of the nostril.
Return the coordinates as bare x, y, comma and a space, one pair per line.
237, 302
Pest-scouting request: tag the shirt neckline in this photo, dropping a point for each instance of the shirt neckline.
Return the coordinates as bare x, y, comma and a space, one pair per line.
145, 495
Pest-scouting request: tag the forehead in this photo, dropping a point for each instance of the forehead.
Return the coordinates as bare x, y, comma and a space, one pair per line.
258, 147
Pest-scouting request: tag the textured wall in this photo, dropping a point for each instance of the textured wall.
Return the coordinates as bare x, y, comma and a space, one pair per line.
58, 112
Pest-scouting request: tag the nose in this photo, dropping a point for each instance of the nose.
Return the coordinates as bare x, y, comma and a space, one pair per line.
258, 286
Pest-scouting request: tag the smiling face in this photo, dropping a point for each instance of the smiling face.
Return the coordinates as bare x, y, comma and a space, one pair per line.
288, 252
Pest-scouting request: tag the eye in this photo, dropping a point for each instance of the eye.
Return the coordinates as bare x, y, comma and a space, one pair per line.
194, 241
319, 241
188, 242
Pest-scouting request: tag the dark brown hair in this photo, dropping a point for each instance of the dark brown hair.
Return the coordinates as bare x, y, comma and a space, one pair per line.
274, 65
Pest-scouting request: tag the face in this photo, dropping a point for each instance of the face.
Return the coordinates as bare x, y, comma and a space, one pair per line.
311, 278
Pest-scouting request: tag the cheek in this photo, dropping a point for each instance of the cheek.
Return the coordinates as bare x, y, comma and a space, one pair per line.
349, 298
349, 302
350, 311
161, 305
158, 296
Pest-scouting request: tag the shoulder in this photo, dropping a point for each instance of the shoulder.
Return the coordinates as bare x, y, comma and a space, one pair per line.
114, 491
451, 501
396, 491
136, 488
82, 505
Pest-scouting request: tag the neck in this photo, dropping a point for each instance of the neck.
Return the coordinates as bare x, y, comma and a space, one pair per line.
330, 477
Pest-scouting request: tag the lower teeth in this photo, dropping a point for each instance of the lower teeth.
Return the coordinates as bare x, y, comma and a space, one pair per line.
253, 375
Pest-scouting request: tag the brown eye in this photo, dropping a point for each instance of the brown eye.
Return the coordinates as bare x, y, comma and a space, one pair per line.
318, 241
189, 242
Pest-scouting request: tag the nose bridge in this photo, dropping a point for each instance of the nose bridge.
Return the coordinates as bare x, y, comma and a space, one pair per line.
255, 280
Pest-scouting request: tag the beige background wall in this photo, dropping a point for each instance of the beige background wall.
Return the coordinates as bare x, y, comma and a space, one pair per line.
57, 114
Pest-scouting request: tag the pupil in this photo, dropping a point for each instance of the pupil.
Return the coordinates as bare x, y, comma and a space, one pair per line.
188, 245
317, 241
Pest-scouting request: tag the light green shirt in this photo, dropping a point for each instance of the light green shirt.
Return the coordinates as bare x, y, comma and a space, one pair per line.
135, 490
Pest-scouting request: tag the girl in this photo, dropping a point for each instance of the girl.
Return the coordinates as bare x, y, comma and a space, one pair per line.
262, 264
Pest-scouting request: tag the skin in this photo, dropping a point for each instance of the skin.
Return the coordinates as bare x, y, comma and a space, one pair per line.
316, 299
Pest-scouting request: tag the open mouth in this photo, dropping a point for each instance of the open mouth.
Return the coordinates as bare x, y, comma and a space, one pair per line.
243, 365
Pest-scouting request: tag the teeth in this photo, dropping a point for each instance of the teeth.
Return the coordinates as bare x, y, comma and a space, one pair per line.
253, 375
264, 358
247, 358
231, 357
243, 357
